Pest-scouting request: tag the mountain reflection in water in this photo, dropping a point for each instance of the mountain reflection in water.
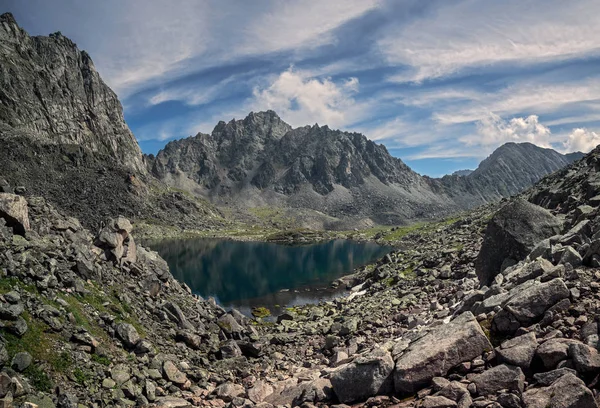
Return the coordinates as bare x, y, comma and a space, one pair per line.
246, 274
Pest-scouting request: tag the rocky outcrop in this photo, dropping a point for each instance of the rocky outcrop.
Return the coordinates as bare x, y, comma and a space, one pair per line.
51, 91
511, 235
13, 209
436, 353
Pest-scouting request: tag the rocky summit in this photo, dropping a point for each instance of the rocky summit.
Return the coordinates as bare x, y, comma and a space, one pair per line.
494, 307
262, 161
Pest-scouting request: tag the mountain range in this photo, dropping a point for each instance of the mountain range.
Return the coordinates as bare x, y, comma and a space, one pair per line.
263, 161
64, 136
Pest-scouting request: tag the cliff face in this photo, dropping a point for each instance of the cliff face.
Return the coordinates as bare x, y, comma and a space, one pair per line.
50, 90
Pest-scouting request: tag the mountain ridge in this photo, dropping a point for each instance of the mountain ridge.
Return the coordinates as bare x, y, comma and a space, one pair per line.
341, 174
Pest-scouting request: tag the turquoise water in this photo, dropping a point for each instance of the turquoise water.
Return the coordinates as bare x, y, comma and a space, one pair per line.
246, 274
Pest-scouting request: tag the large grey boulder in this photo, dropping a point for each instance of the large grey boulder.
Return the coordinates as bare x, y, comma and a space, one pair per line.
553, 351
127, 334
13, 209
372, 371
566, 392
518, 351
511, 235
434, 354
502, 377
529, 305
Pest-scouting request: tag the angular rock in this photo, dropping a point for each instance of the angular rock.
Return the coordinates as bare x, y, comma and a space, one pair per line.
228, 391
259, 392
21, 361
127, 334
585, 358
511, 234
14, 210
437, 352
438, 402
172, 373
190, 339
566, 392
529, 305
553, 351
499, 378
518, 351
372, 371
547, 378
230, 349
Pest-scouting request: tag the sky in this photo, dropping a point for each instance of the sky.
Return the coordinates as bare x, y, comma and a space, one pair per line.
441, 83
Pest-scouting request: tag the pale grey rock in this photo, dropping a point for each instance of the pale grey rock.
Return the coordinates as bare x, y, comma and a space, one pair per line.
434, 354
511, 234
372, 371
566, 392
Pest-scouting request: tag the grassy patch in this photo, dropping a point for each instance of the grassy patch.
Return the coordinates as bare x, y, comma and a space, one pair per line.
100, 359
39, 379
81, 376
35, 341
260, 312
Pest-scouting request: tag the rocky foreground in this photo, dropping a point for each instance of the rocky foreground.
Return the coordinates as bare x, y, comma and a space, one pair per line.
497, 309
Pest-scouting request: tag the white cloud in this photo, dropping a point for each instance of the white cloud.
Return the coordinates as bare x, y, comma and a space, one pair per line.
141, 43
581, 140
301, 99
457, 105
494, 131
474, 33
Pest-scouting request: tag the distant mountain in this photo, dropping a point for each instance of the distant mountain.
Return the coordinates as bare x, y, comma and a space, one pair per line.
262, 161
510, 169
462, 172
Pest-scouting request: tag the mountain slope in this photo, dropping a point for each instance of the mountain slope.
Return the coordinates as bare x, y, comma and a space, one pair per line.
63, 136
51, 90
510, 169
341, 174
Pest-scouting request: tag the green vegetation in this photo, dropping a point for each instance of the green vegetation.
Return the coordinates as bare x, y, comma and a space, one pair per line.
261, 312
80, 376
62, 363
39, 379
101, 359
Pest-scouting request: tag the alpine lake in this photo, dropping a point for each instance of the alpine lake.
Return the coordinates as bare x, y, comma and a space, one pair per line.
244, 275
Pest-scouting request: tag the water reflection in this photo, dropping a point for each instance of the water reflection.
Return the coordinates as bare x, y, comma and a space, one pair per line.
244, 274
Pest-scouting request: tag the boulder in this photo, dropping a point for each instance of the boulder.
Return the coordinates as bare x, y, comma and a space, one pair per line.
372, 371
585, 358
566, 392
511, 234
501, 377
172, 373
438, 402
553, 351
518, 351
13, 209
21, 361
547, 378
529, 306
315, 391
127, 334
434, 354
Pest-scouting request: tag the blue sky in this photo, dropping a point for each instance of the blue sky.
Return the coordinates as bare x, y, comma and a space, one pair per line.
440, 83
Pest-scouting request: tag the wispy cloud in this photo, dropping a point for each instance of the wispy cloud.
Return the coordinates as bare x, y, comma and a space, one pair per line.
474, 34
